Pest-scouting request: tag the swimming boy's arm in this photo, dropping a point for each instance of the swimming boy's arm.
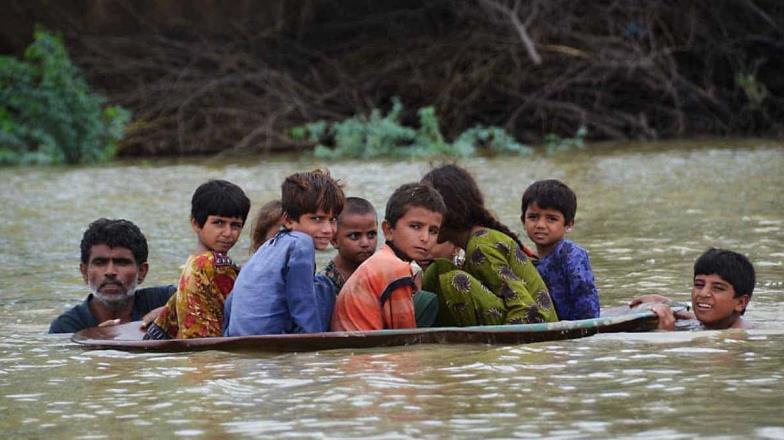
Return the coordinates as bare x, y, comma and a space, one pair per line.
301, 296
582, 288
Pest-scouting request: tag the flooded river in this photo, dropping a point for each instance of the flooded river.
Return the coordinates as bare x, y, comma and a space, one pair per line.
645, 213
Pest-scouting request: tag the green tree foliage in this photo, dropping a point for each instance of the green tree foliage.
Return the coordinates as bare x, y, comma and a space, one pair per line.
378, 135
47, 112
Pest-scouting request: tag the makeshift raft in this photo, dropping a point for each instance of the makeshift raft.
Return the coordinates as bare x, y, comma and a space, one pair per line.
128, 336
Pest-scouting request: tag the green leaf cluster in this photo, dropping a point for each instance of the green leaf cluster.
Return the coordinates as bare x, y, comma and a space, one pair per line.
48, 113
378, 135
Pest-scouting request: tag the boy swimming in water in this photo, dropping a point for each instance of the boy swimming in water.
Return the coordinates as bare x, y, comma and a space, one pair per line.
723, 285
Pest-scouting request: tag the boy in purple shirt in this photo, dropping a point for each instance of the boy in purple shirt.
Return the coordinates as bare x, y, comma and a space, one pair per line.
277, 290
548, 210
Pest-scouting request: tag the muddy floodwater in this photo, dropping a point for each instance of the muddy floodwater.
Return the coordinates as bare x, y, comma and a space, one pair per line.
645, 212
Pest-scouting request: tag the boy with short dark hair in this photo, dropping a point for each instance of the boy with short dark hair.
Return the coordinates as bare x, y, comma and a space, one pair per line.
355, 240
218, 212
547, 213
379, 293
723, 284
276, 292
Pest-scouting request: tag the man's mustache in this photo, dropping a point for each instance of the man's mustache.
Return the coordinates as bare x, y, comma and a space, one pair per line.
110, 283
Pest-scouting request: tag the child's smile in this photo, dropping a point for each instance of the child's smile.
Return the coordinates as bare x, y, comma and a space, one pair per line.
714, 302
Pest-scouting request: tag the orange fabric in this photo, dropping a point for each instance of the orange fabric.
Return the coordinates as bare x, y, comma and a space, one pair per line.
358, 305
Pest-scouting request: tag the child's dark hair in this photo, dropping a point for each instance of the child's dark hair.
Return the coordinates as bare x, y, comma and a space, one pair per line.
303, 193
358, 206
731, 266
114, 233
551, 194
269, 214
464, 202
219, 197
412, 195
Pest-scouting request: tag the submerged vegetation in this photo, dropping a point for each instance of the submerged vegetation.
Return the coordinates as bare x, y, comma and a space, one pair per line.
48, 113
378, 135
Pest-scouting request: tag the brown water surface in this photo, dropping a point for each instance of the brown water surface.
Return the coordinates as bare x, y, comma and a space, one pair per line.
645, 212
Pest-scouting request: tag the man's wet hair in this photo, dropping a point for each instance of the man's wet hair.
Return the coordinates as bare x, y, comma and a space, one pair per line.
551, 194
221, 198
115, 234
307, 192
411, 195
357, 206
732, 267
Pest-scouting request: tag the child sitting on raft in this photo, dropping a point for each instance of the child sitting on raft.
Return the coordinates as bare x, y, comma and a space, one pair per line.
277, 292
218, 212
722, 287
355, 239
547, 214
267, 223
497, 283
379, 294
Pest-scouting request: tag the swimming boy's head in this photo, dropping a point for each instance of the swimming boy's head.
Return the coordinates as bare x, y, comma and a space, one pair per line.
723, 284
267, 223
218, 212
547, 213
413, 218
357, 231
311, 202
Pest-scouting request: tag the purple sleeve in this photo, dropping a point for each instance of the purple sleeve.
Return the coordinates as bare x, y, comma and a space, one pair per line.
582, 289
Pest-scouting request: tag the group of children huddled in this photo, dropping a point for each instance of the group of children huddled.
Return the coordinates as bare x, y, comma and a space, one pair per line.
446, 261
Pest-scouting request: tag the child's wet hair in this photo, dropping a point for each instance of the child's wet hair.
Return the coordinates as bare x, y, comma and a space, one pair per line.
357, 206
412, 195
551, 194
221, 198
303, 193
269, 214
732, 267
114, 233
464, 201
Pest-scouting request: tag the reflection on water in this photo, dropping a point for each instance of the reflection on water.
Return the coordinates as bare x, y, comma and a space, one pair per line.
644, 215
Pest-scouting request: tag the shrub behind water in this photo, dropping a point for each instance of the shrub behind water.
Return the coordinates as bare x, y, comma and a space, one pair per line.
47, 112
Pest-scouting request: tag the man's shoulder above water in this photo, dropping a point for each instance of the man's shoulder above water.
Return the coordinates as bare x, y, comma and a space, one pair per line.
80, 317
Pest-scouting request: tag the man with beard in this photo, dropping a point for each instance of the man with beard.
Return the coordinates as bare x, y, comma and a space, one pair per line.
114, 262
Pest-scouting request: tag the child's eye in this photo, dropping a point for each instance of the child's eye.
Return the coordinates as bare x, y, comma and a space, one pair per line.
433, 231
372, 234
353, 236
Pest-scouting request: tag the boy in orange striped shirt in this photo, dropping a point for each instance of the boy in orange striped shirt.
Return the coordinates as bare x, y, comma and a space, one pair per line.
378, 295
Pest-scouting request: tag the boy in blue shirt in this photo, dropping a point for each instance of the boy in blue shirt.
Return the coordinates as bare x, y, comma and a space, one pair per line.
548, 211
276, 291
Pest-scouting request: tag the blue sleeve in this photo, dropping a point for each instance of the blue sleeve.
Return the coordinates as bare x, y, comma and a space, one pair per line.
301, 296
582, 290
327, 294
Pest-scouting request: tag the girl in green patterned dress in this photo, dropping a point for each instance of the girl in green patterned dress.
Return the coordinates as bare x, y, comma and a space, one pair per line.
497, 283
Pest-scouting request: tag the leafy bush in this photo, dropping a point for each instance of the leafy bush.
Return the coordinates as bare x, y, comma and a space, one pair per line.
377, 135
47, 112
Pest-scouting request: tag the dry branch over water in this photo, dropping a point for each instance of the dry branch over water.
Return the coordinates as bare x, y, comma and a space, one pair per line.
241, 79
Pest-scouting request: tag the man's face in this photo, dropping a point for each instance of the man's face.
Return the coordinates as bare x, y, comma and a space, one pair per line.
112, 275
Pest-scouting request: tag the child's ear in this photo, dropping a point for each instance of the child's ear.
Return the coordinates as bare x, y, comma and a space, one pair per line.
570, 226
742, 303
387, 228
195, 225
288, 223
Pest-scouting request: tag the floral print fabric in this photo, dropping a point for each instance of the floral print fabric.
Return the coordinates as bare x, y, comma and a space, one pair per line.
196, 309
497, 284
